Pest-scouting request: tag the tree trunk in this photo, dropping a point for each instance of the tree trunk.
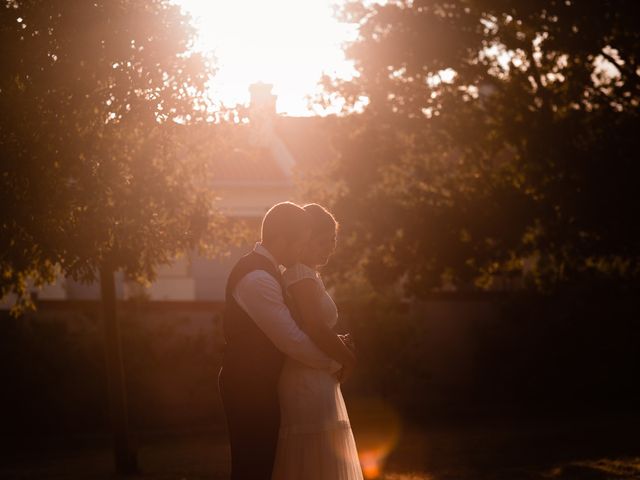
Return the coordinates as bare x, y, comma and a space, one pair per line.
125, 456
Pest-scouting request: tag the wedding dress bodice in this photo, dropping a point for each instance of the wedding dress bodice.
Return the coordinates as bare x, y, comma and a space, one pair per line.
326, 305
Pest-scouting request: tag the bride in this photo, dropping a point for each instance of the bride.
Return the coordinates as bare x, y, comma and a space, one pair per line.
315, 440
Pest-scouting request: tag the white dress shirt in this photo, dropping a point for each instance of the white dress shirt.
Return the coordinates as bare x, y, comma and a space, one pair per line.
260, 296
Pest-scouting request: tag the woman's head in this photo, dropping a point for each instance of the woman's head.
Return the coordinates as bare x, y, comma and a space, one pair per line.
324, 229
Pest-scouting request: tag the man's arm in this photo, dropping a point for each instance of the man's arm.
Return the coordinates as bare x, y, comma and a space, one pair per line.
308, 299
260, 295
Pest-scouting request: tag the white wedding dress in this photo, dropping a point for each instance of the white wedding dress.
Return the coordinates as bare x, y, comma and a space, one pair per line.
316, 441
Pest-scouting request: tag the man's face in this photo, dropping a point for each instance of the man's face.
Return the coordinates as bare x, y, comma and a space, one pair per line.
293, 253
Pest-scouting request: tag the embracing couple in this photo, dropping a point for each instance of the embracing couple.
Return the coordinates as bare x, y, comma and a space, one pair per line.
283, 364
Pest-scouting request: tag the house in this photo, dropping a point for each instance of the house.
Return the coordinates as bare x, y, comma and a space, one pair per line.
258, 171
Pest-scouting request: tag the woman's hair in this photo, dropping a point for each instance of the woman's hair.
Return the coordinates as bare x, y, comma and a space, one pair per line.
321, 219
285, 220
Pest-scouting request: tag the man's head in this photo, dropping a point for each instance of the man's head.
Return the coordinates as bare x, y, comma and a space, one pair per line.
286, 228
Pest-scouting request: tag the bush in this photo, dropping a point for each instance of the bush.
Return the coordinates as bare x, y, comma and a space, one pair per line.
53, 369
464, 357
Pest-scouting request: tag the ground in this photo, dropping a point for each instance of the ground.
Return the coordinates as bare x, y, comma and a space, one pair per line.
533, 450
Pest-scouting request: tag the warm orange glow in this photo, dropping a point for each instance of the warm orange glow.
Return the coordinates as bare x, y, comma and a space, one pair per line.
287, 43
377, 430
371, 462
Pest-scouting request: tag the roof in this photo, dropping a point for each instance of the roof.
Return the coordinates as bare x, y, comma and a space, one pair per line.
245, 154
307, 138
248, 165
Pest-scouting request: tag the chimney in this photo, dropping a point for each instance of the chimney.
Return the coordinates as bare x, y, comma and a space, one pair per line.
263, 102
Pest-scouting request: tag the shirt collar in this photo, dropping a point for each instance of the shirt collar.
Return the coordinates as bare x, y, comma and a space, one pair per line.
262, 250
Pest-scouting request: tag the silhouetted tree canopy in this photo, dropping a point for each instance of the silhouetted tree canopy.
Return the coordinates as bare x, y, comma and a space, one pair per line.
498, 146
94, 164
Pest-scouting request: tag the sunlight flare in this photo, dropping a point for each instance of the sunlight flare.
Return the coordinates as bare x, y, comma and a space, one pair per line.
377, 427
287, 43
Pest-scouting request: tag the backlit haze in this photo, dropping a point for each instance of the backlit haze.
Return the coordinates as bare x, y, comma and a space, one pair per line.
287, 43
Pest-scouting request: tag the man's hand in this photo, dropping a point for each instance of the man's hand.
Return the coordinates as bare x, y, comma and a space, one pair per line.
348, 341
344, 373
347, 369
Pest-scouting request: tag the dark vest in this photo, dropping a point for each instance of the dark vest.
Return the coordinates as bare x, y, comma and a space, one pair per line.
251, 363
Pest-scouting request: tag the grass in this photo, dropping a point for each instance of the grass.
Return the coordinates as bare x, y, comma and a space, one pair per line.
535, 451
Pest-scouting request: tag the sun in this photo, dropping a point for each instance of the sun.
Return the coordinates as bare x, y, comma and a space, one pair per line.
287, 43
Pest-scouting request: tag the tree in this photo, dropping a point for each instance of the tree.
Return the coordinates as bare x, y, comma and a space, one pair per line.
96, 176
497, 143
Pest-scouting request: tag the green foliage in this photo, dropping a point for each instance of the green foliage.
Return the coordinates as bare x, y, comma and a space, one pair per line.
498, 148
96, 166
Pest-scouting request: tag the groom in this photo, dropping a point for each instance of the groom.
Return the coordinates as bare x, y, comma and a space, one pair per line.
259, 333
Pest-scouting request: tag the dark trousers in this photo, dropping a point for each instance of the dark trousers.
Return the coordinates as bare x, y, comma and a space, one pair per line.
253, 421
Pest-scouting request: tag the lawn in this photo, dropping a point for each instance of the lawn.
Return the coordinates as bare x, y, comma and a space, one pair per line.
562, 450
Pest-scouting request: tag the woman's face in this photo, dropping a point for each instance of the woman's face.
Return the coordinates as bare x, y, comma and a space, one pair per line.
320, 248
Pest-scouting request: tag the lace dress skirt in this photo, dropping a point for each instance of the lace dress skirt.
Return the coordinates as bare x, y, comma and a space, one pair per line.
316, 441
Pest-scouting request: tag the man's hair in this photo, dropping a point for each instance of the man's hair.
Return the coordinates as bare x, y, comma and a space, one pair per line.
286, 220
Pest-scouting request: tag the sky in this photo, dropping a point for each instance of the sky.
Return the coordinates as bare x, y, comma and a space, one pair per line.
287, 43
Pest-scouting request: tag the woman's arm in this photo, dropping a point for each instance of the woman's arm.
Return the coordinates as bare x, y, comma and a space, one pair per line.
305, 294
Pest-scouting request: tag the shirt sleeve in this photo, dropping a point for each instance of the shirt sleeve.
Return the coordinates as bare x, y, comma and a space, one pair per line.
260, 296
